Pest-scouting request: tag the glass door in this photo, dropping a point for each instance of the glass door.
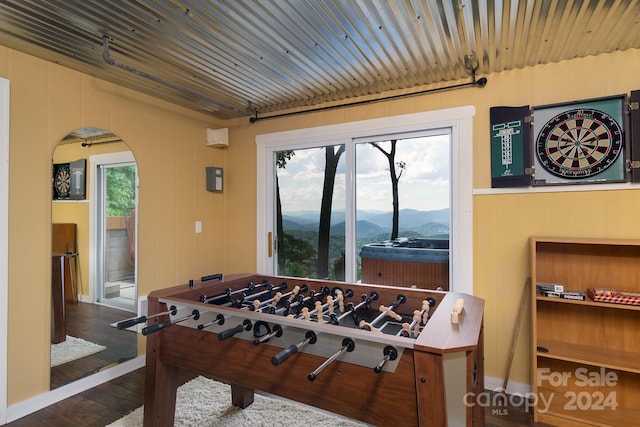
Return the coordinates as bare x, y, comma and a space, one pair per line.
432, 163
403, 212
116, 224
310, 213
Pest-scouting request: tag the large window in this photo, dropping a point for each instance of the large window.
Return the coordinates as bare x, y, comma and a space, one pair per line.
325, 192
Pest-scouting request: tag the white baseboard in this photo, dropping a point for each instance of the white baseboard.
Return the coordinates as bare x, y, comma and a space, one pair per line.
36, 403
513, 387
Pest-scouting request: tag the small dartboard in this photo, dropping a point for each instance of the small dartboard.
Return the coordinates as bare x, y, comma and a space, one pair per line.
579, 143
62, 182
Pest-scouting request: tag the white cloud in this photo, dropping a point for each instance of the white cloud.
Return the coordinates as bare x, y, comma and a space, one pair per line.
424, 184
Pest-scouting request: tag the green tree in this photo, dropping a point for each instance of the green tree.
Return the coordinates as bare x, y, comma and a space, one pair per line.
300, 259
121, 190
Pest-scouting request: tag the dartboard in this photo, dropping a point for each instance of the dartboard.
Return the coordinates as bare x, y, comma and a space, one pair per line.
579, 143
62, 182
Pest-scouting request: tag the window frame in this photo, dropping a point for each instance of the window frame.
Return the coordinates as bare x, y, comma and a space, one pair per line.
4, 243
459, 120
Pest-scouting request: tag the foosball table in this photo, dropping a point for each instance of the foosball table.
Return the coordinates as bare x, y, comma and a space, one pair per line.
380, 354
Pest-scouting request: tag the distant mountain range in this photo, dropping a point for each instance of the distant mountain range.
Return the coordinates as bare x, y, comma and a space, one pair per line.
371, 223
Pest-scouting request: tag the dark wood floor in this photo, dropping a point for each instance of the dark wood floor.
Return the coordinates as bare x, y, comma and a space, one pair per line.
91, 323
111, 401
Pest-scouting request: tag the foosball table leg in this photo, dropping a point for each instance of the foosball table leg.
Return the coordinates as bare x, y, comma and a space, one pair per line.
430, 383
161, 384
241, 396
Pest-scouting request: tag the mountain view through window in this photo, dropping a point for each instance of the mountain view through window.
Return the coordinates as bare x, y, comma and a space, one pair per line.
402, 191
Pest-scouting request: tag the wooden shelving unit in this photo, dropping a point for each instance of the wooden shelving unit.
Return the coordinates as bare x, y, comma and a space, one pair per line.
586, 354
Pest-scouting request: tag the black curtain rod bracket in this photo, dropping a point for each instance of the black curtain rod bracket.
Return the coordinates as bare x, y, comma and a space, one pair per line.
481, 82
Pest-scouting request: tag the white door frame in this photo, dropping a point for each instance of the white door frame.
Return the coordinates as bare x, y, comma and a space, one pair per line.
95, 162
459, 120
4, 243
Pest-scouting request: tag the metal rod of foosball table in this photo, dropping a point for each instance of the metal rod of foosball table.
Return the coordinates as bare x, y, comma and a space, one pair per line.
389, 311
351, 309
279, 296
319, 309
347, 345
420, 317
157, 326
304, 302
330, 304
301, 300
288, 305
246, 298
390, 353
276, 332
312, 296
219, 320
310, 338
132, 322
228, 292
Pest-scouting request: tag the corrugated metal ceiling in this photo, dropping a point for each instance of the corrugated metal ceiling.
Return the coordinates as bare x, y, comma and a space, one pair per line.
231, 58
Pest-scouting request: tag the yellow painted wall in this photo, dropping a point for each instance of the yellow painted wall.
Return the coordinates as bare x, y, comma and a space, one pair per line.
168, 143
47, 102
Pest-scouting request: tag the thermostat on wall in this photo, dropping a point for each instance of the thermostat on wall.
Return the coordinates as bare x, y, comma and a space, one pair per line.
214, 179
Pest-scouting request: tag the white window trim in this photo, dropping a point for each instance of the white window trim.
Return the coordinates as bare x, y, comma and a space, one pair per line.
459, 120
4, 243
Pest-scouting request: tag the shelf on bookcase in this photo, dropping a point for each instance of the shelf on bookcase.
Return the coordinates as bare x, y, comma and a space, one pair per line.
590, 355
589, 302
560, 408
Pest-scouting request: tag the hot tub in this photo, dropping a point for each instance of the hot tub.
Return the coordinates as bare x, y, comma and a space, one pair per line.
419, 262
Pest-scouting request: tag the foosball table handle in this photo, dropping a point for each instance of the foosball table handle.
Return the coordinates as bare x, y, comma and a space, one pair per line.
310, 338
277, 359
195, 314
155, 327
246, 326
131, 322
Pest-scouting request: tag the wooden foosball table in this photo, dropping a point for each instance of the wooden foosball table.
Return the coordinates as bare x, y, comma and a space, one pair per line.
380, 354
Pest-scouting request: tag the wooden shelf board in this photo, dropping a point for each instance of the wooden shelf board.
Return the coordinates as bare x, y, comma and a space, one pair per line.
586, 241
619, 416
589, 303
590, 355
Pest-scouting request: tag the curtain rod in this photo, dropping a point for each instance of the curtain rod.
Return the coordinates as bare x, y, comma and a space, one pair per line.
89, 144
481, 82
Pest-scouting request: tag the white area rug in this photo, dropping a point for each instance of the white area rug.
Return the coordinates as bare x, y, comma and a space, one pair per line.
206, 403
72, 349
